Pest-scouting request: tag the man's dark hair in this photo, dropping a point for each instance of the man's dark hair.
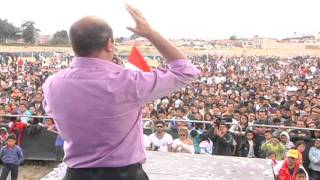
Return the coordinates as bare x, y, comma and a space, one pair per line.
268, 131
89, 35
159, 122
250, 131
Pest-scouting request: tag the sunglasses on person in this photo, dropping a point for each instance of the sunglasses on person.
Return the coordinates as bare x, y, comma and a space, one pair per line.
159, 126
182, 135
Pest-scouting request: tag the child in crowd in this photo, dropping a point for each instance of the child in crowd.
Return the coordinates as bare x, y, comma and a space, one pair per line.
3, 136
11, 156
272, 158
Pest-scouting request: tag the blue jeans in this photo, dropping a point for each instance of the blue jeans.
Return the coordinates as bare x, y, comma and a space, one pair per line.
7, 168
131, 172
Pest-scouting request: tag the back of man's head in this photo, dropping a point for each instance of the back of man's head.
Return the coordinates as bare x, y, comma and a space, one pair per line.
89, 35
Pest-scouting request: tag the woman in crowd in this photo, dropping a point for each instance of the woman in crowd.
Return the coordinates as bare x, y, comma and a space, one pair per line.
183, 143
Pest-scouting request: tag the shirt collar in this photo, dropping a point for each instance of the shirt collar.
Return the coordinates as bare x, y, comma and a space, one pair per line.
85, 62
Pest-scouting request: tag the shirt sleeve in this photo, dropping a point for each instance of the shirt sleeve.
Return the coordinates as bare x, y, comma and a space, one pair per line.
161, 82
45, 88
175, 143
1, 152
170, 140
20, 156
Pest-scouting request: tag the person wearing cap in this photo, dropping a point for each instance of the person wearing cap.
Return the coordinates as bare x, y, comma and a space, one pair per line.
289, 168
314, 156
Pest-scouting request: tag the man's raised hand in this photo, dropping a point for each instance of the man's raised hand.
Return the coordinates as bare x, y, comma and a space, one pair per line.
142, 26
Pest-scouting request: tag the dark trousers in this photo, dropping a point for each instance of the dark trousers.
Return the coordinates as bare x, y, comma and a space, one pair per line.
315, 175
131, 172
59, 153
7, 168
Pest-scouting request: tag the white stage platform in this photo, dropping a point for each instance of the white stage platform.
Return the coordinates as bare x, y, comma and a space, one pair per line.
178, 166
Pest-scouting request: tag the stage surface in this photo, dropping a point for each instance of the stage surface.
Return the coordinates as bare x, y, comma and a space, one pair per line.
178, 166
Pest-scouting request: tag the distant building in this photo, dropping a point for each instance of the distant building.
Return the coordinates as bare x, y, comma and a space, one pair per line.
255, 43
43, 39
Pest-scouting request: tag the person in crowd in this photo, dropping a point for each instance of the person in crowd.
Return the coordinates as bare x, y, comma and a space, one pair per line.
272, 158
285, 140
146, 142
11, 155
289, 168
314, 156
183, 143
248, 146
302, 175
51, 127
300, 146
3, 136
275, 146
222, 140
298, 134
160, 140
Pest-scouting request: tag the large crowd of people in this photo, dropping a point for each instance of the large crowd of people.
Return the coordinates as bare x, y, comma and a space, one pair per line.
233, 96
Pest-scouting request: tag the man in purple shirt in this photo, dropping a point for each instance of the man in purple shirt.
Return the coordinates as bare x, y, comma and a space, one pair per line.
97, 104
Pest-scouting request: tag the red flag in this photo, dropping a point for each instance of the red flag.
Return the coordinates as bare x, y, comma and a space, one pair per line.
136, 58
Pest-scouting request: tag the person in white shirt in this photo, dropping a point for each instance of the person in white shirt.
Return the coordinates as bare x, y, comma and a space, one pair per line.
160, 140
183, 143
146, 142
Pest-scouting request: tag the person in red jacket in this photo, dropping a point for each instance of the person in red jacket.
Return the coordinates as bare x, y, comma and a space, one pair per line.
289, 168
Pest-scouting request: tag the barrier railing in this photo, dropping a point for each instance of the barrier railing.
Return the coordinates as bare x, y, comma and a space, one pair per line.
144, 119
21, 115
281, 127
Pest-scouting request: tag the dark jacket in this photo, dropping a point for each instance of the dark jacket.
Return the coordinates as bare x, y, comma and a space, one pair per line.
221, 145
244, 148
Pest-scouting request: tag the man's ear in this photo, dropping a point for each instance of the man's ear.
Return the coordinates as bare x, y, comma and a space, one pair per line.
110, 45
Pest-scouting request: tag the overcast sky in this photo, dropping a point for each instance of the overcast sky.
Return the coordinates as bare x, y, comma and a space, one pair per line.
216, 19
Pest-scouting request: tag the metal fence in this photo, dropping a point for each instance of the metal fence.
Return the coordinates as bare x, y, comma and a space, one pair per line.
281, 127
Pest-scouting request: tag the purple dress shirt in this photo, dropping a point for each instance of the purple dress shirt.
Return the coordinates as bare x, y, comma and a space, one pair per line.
96, 105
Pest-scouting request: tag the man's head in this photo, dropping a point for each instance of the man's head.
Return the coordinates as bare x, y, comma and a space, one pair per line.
301, 124
23, 108
92, 37
292, 156
284, 137
317, 143
160, 125
250, 135
223, 128
268, 135
262, 114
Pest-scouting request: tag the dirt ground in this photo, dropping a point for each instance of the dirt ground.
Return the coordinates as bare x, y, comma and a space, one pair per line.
147, 50
34, 171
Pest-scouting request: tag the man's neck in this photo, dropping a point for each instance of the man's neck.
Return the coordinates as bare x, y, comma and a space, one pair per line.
159, 134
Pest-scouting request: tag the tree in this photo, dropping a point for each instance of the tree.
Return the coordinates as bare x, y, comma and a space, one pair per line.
134, 36
119, 39
29, 32
60, 37
7, 31
233, 37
